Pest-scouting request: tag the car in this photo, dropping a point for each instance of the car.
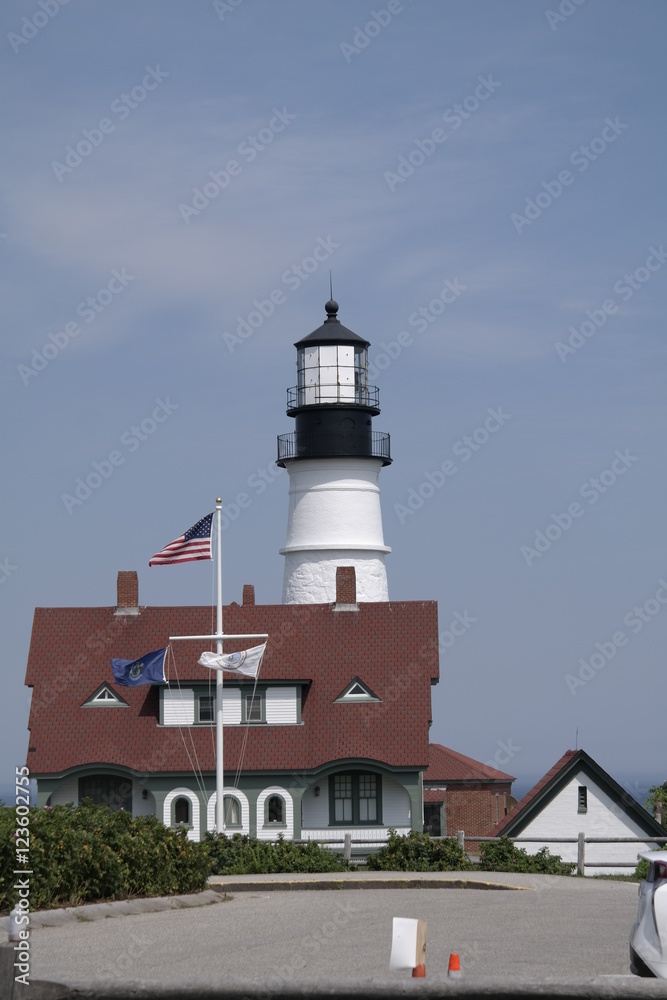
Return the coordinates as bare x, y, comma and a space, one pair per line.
648, 939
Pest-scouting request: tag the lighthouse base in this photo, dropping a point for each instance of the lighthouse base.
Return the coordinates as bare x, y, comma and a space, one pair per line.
310, 576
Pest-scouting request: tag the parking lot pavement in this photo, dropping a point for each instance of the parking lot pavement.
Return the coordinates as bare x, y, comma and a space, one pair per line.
560, 927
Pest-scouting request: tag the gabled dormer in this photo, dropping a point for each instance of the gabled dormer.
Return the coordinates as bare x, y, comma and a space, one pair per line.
356, 690
105, 697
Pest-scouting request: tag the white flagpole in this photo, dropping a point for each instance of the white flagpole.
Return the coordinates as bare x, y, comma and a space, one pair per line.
219, 763
219, 636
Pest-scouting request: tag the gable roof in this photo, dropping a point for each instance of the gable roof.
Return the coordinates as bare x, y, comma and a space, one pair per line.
70, 653
447, 765
555, 779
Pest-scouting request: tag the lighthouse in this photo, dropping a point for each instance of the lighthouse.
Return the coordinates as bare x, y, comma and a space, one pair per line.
333, 458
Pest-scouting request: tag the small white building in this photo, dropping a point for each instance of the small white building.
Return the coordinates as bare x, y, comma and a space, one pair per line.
578, 796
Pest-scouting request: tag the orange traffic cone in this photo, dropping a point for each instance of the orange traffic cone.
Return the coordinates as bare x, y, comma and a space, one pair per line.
454, 971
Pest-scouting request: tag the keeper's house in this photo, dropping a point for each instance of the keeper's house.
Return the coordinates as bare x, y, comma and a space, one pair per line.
334, 740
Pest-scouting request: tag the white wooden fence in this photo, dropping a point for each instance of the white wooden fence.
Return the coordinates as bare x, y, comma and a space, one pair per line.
581, 840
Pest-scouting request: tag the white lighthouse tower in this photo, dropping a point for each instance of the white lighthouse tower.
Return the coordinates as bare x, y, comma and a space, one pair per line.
333, 458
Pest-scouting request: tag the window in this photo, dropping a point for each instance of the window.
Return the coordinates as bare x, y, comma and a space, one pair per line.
355, 798
253, 705
582, 799
357, 691
343, 798
107, 789
368, 805
182, 811
232, 808
433, 818
275, 810
206, 708
105, 697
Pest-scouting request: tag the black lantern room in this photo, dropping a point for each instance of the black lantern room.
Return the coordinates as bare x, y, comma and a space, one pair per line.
332, 403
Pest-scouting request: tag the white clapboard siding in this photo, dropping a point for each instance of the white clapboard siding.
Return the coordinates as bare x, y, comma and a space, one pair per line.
603, 818
67, 791
178, 707
395, 804
231, 706
281, 706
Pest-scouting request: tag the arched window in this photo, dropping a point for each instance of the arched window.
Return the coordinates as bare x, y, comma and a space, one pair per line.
182, 811
275, 810
232, 810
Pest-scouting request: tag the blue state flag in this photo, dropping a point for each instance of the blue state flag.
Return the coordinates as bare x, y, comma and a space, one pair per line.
148, 669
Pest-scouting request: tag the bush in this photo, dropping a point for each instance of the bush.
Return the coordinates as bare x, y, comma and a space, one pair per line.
416, 852
505, 856
88, 853
242, 855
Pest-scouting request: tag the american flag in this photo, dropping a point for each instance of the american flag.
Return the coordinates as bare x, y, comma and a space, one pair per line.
194, 544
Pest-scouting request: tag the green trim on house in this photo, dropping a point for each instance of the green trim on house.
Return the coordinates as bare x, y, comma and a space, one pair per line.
158, 786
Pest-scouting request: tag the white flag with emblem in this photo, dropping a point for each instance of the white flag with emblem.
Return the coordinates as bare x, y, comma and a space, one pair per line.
246, 662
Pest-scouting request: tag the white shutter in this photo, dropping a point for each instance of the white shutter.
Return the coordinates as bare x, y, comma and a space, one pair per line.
281, 706
178, 706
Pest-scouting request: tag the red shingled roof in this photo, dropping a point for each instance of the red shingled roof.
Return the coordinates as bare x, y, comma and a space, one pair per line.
70, 653
447, 765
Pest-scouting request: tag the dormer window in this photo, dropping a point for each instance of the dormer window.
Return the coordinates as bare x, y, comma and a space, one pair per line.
105, 697
357, 691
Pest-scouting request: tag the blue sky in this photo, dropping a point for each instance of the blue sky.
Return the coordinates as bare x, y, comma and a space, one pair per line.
486, 183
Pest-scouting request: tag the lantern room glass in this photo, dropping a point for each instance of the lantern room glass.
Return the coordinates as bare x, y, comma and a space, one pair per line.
332, 373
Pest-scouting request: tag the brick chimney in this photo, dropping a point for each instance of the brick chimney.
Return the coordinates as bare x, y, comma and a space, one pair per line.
127, 591
248, 593
346, 589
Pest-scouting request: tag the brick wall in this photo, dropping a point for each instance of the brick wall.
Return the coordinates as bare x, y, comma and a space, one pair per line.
473, 809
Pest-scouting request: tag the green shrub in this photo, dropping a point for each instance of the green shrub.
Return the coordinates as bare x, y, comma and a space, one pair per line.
416, 852
242, 855
505, 856
90, 853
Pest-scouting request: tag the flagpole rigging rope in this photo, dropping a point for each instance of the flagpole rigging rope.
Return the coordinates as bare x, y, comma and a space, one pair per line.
211, 632
199, 777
